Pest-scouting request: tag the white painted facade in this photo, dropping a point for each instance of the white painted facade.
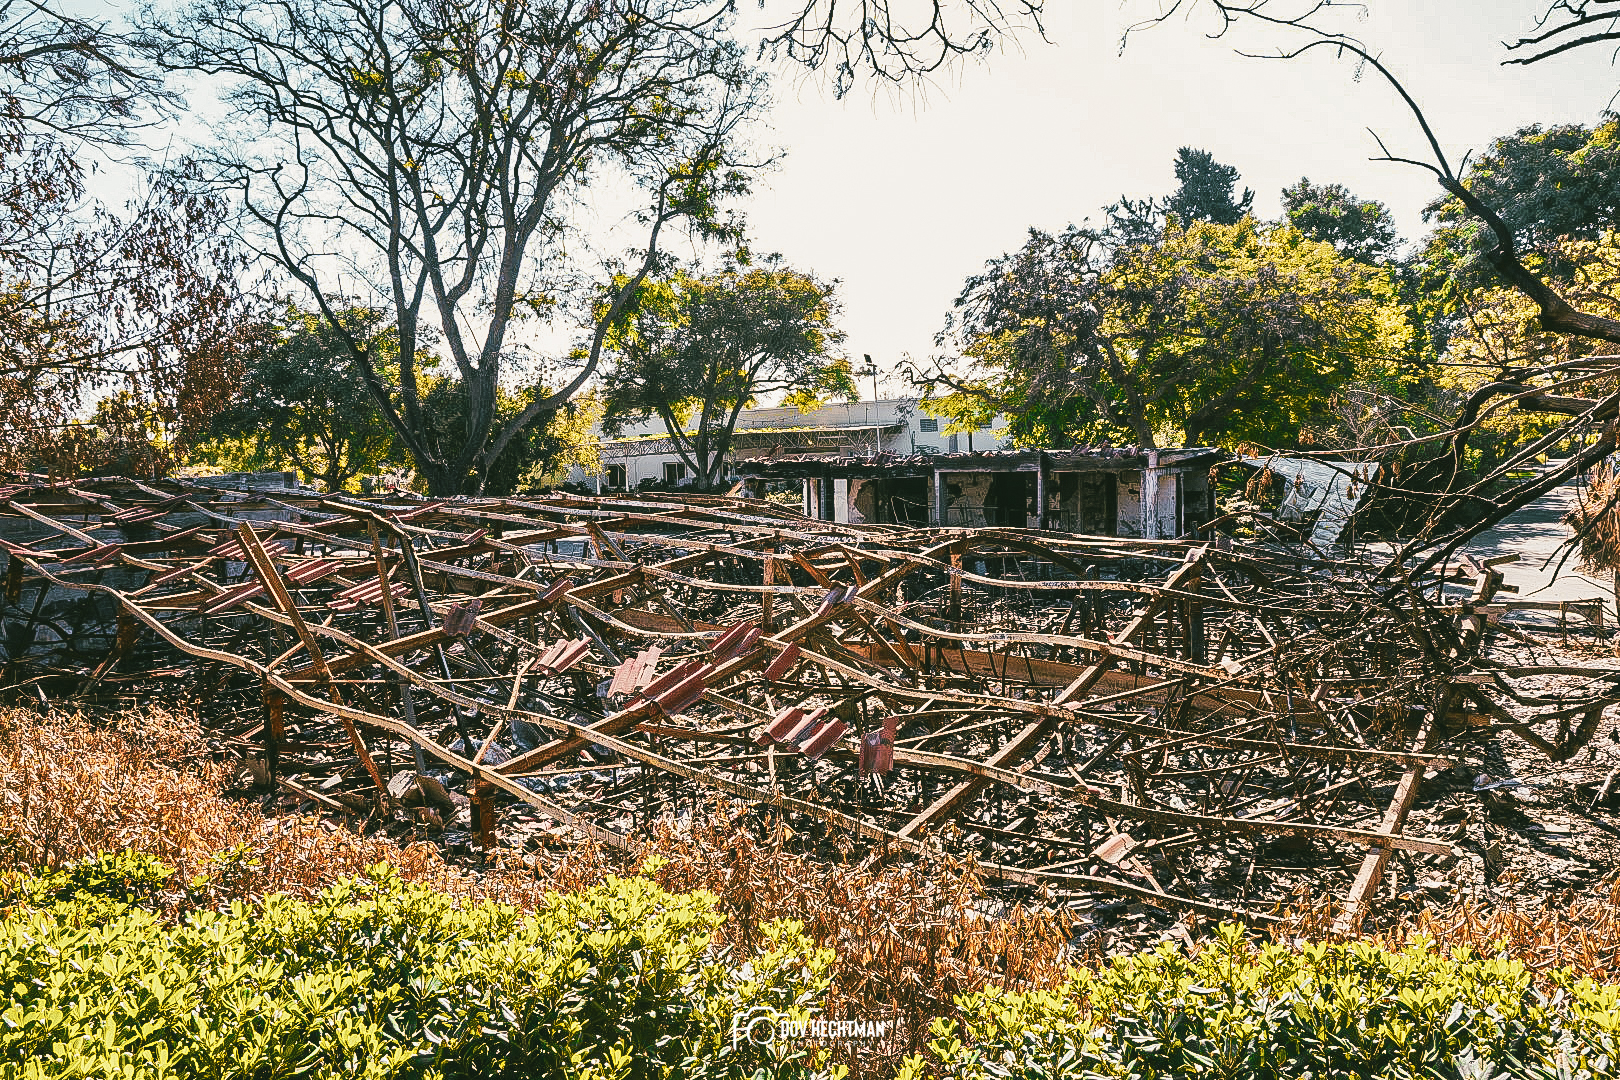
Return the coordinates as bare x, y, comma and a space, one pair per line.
646, 452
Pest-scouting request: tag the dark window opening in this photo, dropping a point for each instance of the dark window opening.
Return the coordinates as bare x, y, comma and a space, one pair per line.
1099, 504
1009, 500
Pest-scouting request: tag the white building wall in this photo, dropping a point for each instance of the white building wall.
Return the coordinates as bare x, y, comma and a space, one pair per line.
856, 424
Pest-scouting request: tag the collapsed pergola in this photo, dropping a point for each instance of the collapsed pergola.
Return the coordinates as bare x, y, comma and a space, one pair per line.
1192, 725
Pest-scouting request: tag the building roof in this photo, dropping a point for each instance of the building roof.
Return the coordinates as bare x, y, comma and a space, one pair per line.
808, 437
1080, 459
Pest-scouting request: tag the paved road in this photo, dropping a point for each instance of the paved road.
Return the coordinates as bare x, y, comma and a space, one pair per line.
1535, 534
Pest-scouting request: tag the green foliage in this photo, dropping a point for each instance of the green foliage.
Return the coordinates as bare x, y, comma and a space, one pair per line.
696, 350
533, 455
1206, 190
303, 402
375, 978
1321, 1011
1360, 229
1549, 183
1211, 333
98, 888
1496, 333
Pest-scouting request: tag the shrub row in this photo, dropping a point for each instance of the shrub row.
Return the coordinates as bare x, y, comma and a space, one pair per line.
378, 978
1348, 1010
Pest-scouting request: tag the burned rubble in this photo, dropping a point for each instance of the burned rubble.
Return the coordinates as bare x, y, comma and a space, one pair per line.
1199, 727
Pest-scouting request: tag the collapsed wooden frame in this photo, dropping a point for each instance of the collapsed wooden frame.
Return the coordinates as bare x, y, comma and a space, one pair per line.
1195, 726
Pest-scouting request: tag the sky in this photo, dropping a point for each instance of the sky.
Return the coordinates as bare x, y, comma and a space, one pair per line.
902, 198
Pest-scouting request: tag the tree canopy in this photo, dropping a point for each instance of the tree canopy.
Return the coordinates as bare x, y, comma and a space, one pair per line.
439, 151
1213, 333
1361, 229
1546, 183
301, 400
695, 350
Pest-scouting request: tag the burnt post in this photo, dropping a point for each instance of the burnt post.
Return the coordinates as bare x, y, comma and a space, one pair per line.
483, 814
1043, 473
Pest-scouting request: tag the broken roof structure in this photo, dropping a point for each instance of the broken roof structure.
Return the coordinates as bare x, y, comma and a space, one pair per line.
1182, 724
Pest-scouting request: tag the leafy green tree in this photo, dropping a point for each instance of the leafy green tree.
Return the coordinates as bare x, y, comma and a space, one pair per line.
1547, 184
302, 402
696, 350
1214, 333
1361, 229
535, 455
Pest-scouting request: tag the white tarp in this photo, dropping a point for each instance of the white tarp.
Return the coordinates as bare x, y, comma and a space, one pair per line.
1329, 489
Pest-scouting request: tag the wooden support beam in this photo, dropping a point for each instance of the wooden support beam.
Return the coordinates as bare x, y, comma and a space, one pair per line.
957, 795
265, 568
1358, 900
1030, 736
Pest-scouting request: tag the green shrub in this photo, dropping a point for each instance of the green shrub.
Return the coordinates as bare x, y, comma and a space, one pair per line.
1319, 1011
374, 978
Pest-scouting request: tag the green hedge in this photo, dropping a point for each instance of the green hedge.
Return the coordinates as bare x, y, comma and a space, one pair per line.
1319, 1011
375, 978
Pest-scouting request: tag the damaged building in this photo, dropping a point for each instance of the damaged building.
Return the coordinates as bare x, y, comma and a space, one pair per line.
1124, 492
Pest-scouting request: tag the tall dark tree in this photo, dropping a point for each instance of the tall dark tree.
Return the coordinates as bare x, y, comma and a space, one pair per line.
696, 350
1206, 190
1359, 228
425, 159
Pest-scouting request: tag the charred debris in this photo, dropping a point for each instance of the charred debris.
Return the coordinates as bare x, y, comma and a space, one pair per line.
1196, 726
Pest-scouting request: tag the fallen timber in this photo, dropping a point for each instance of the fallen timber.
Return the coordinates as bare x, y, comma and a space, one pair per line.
1185, 724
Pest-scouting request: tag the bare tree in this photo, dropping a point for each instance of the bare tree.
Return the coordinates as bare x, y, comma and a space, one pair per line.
68, 76
850, 38
1566, 25
424, 157
139, 303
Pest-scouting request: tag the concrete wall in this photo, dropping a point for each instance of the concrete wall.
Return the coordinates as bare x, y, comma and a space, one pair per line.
1163, 504
636, 469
